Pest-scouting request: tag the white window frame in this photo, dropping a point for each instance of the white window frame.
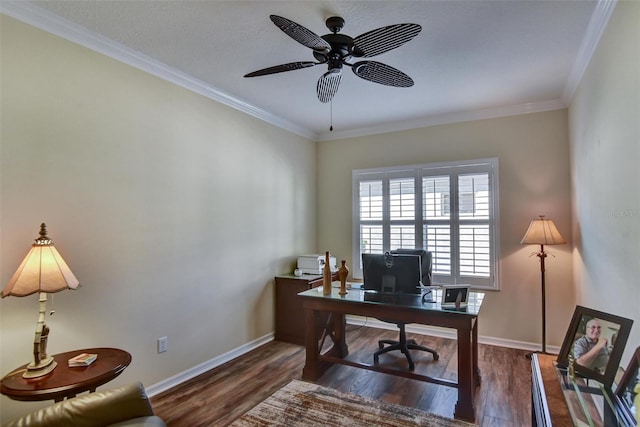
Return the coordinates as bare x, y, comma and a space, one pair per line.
453, 170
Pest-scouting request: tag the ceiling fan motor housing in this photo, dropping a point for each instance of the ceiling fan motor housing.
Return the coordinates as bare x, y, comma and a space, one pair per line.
339, 52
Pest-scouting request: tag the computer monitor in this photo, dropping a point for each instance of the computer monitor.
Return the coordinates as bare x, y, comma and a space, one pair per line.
400, 271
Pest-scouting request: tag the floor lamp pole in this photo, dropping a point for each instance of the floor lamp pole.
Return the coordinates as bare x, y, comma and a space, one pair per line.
542, 255
542, 232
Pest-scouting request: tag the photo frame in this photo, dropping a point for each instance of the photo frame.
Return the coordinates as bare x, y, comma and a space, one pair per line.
589, 326
454, 294
628, 388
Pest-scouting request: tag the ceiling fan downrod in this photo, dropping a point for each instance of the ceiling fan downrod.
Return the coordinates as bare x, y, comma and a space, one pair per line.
334, 24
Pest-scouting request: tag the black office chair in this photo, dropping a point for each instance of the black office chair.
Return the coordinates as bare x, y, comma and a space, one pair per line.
371, 267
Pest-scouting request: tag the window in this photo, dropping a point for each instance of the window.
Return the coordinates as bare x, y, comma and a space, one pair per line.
449, 209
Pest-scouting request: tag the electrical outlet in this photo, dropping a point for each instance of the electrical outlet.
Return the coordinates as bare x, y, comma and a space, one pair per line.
162, 344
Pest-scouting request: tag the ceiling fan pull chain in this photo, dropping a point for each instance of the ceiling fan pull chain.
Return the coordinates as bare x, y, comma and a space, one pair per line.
331, 116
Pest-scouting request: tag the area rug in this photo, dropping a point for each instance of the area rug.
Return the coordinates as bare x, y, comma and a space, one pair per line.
305, 404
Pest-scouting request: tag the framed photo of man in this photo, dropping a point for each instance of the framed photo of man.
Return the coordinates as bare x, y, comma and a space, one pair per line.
595, 341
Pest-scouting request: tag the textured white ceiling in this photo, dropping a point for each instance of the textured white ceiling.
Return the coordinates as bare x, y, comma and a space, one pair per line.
471, 56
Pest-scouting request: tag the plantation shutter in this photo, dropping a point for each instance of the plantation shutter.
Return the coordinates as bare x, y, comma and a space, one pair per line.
449, 209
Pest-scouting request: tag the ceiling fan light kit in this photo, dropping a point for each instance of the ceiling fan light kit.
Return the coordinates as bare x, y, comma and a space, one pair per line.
337, 50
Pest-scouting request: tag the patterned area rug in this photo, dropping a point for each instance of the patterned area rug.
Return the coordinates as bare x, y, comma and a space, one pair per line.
305, 404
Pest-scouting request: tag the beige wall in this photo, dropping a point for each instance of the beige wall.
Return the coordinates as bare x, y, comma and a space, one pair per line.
604, 123
174, 211
533, 155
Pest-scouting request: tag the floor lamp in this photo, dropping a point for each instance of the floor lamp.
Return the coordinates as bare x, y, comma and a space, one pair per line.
542, 232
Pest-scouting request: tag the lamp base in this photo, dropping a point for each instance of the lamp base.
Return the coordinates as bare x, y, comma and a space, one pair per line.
35, 370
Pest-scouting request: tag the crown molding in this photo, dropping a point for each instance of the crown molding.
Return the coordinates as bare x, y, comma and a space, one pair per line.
448, 118
595, 29
51, 23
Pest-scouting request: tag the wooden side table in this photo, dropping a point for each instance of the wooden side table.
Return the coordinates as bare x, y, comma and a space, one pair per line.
65, 382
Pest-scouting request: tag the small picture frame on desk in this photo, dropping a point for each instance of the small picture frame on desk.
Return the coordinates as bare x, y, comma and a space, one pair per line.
628, 389
596, 341
455, 296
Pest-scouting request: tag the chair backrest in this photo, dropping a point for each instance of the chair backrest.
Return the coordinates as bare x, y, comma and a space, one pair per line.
398, 271
426, 258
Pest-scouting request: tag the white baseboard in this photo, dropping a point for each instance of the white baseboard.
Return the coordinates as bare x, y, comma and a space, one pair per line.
177, 379
447, 333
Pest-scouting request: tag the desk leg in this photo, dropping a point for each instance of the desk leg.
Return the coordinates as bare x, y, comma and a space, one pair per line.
338, 328
476, 370
314, 367
466, 390
311, 370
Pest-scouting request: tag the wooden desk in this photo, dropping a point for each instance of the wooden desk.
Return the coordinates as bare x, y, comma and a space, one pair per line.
405, 308
64, 382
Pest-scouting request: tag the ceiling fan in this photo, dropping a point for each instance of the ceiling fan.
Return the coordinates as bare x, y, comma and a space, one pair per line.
337, 50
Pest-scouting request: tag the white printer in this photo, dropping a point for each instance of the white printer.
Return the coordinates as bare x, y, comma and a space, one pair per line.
314, 263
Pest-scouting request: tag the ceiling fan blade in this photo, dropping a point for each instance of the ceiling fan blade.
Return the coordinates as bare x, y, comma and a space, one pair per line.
328, 85
383, 39
282, 68
300, 34
378, 72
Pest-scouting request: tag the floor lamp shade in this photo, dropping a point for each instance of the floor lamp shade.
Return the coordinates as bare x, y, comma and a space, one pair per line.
43, 271
542, 232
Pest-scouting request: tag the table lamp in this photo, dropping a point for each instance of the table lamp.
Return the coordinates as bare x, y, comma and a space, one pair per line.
44, 271
542, 232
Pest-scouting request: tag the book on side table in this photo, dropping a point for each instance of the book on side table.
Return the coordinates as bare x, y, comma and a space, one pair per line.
83, 359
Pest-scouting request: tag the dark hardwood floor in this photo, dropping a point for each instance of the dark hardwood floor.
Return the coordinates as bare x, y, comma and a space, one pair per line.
221, 395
